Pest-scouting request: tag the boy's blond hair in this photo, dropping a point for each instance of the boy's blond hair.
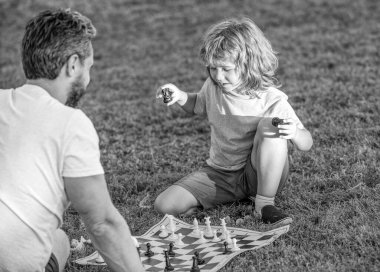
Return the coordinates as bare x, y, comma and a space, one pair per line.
242, 41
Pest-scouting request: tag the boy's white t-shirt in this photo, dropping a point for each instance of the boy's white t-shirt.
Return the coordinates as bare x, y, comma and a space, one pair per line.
41, 141
233, 119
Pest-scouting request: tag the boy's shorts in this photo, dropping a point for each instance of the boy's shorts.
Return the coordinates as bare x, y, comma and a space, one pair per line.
212, 186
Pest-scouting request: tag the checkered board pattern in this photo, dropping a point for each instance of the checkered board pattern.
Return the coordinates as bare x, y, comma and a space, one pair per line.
212, 252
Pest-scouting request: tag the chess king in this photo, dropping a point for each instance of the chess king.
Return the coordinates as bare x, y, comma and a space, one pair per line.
49, 154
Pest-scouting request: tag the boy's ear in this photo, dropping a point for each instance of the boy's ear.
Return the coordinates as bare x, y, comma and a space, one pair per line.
72, 65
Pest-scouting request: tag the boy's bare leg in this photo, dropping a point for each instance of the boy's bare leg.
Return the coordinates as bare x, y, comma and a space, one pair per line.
269, 158
269, 155
176, 200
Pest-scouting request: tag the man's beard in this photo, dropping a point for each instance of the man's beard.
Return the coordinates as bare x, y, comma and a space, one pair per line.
77, 91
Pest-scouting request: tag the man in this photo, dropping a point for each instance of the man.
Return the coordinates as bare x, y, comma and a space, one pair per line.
49, 154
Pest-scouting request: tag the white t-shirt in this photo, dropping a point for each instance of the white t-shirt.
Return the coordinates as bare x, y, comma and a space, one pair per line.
233, 119
41, 141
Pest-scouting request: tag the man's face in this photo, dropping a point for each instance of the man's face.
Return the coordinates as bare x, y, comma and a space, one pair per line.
79, 86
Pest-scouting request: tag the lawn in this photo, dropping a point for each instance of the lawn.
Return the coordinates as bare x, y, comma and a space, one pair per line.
330, 68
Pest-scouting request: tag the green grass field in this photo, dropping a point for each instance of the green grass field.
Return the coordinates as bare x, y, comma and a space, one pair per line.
330, 68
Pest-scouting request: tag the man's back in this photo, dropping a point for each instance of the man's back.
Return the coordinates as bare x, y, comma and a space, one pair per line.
39, 140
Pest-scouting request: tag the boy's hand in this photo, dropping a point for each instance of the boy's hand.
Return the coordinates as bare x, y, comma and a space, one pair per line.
172, 94
288, 130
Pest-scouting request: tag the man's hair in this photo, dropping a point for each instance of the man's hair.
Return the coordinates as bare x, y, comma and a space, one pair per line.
51, 38
242, 41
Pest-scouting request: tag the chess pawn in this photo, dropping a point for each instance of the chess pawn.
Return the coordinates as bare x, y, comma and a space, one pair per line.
234, 246
224, 233
216, 238
172, 226
163, 233
228, 237
196, 231
179, 240
202, 239
209, 233
200, 261
195, 267
168, 266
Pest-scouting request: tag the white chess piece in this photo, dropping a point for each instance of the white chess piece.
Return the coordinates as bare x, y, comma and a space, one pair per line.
179, 242
234, 246
209, 233
202, 239
172, 228
163, 233
222, 221
224, 232
228, 237
216, 238
196, 231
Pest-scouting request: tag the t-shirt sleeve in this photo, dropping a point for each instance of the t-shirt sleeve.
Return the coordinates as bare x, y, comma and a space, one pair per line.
81, 153
284, 110
200, 104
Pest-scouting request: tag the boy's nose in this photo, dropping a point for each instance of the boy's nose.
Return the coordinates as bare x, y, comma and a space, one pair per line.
219, 76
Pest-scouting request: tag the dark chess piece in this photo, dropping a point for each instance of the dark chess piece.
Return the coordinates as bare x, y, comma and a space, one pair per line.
225, 247
168, 266
200, 261
149, 252
171, 253
195, 267
277, 121
167, 94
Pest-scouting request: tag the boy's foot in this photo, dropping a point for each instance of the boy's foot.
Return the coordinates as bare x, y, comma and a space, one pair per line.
273, 216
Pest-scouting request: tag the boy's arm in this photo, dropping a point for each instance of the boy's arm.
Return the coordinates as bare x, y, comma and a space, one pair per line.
107, 228
188, 104
302, 139
289, 130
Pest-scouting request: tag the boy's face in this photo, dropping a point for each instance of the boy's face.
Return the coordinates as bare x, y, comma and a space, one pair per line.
225, 73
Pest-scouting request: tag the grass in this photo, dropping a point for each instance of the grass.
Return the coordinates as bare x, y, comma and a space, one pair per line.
329, 67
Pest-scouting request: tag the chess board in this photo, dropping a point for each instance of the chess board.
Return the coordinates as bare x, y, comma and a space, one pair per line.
212, 252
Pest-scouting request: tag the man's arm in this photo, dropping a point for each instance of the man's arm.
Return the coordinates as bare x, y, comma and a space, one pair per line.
107, 228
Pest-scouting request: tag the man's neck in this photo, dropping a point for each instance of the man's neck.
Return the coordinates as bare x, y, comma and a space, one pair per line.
51, 86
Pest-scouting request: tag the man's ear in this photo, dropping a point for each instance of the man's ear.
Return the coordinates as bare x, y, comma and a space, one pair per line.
72, 65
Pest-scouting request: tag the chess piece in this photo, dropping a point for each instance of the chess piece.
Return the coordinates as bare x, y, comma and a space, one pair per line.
224, 228
202, 239
200, 261
196, 231
195, 267
179, 240
172, 228
277, 121
149, 252
171, 252
168, 266
228, 237
234, 246
225, 247
216, 238
163, 233
208, 232
167, 95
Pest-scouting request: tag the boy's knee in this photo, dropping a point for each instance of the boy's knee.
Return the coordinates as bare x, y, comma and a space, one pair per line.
162, 206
